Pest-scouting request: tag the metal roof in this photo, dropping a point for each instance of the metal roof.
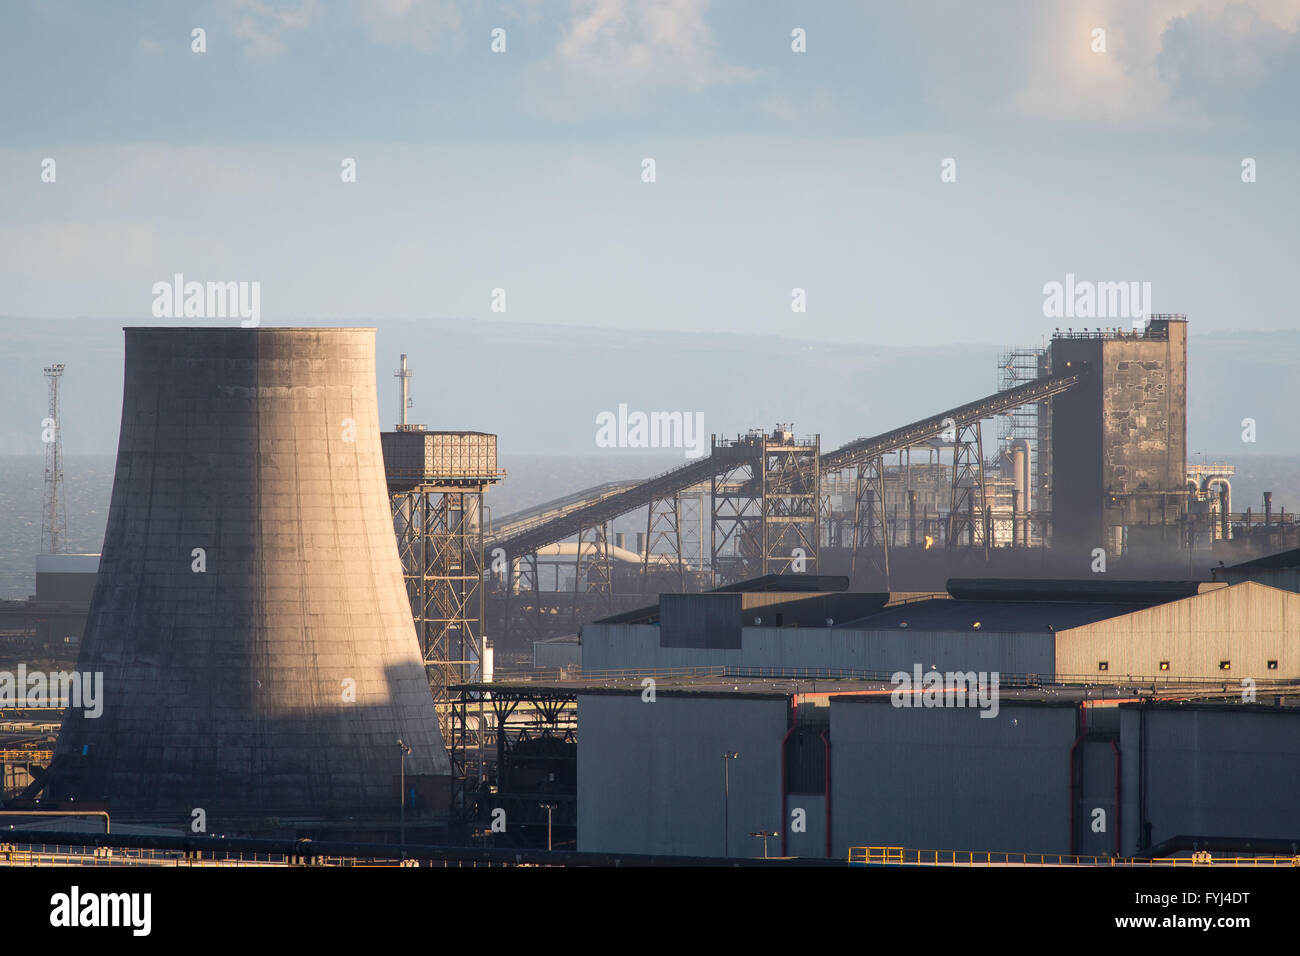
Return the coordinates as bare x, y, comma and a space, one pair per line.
1283, 559
997, 616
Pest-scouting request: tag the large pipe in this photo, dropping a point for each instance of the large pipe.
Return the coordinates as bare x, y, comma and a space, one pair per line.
1015, 517
1027, 502
1018, 471
1225, 502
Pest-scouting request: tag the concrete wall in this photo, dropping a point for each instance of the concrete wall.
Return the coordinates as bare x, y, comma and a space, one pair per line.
1226, 771
1247, 624
225, 688
948, 779
650, 775
1122, 432
790, 649
1076, 447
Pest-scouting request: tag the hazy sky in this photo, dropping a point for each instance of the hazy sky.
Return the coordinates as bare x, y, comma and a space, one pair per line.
522, 170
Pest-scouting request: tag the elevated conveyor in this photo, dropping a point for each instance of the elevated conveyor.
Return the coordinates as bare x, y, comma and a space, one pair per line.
554, 521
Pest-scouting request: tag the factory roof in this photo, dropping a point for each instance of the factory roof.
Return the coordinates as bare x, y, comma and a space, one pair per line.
1283, 559
999, 616
863, 690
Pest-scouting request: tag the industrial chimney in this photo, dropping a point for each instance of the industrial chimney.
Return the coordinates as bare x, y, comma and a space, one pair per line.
250, 619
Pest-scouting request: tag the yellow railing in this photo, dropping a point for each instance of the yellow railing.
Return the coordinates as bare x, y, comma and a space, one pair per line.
25, 756
899, 856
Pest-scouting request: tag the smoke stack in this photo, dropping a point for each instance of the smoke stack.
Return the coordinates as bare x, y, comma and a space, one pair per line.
250, 618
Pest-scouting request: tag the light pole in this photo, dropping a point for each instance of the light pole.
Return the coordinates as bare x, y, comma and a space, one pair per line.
764, 835
727, 757
548, 807
405, 750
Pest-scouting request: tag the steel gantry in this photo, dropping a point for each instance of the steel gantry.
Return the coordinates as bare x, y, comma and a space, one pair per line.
968, 512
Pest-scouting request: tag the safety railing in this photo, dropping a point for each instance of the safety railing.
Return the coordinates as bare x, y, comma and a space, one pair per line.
900, 856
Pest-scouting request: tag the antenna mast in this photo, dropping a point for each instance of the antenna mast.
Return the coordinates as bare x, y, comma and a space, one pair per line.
54, 527
403, 375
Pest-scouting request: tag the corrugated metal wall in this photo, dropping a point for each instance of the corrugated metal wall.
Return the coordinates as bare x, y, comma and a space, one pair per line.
948, 779
650, 776
1247, 624
1210, 772
790, 649
1288, 579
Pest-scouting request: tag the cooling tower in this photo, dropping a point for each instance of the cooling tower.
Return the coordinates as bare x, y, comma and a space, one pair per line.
250, 617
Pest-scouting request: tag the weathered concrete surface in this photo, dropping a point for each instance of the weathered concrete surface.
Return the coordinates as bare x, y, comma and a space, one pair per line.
1119, 439
226, 688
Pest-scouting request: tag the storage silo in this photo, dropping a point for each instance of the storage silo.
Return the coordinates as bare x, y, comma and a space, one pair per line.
250, 618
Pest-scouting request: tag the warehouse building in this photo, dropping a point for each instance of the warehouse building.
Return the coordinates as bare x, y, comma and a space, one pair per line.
1281, 570
1087, 771
1050, 631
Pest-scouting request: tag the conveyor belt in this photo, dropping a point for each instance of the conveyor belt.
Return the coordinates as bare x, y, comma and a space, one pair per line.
527, 531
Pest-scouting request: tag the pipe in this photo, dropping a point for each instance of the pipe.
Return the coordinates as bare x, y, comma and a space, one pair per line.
1015, 517
911, 518
1026, 501
1083, 730
1114, 745
785, 779
826, 740
568, 549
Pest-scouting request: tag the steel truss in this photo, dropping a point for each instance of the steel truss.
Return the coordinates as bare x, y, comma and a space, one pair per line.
968, 513
663, 535
528, 760
870, 534
439, 541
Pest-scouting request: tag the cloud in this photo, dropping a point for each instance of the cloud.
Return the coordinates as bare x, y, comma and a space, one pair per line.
1166, 63
420, 24
660, 42
262, 24
1238, 62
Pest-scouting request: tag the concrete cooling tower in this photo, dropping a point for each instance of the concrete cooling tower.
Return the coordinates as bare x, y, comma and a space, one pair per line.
250, 617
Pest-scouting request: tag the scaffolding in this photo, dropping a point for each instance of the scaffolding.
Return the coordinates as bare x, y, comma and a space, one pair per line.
436, 486
766, 507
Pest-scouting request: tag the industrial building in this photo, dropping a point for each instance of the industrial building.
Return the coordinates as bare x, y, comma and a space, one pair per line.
1119, 439
1053, 631
1089, 460
249, 616
286, 591
1111, 716
831, 765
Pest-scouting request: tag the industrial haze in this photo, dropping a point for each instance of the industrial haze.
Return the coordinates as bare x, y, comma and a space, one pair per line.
540, 388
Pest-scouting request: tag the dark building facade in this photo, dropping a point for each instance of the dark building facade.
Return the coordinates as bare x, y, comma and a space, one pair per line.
1119, 438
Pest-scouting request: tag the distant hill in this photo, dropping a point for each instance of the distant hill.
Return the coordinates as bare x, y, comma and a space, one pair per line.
540, 387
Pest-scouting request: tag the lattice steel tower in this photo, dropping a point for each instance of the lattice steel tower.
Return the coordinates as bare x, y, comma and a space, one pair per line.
54, 523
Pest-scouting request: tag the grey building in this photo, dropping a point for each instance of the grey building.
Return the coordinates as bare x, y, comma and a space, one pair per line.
1063, 631
1093, 772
